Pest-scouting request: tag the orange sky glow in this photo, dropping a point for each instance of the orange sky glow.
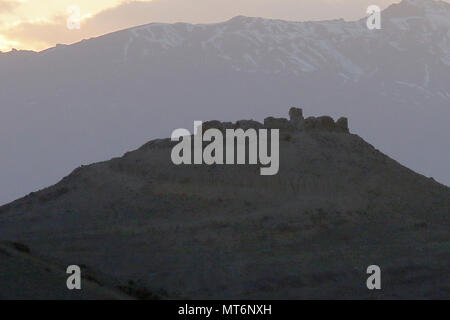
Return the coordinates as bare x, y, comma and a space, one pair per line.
18, 17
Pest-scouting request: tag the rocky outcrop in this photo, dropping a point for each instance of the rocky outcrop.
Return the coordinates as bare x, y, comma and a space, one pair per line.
342, 124
277, 123
296, 122
248, 124
213, 124
296, 118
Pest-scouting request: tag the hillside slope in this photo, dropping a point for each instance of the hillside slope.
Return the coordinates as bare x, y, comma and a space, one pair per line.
336, 206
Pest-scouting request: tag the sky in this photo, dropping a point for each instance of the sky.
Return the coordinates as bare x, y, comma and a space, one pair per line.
40, 24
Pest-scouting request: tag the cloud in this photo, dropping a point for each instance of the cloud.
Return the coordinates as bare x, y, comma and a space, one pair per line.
8, 6
42, 34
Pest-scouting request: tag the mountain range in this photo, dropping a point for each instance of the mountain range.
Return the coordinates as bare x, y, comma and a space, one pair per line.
96, 99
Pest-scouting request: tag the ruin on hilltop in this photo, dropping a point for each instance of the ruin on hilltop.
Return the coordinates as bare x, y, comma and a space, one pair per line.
296, 122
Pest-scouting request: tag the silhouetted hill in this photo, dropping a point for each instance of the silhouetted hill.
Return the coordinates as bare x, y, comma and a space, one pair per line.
336, 206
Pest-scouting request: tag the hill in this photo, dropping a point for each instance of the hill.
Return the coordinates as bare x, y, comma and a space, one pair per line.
336, 206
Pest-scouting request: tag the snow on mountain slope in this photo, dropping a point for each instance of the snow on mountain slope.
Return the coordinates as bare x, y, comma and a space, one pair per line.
98, 98
274, 46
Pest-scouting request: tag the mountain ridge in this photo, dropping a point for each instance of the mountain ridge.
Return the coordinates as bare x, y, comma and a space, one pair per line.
110, 94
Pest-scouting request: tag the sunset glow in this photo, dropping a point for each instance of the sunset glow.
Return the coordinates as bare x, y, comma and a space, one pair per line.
17, 17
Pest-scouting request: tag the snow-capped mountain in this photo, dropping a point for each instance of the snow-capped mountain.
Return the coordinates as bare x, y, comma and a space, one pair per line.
95, 99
